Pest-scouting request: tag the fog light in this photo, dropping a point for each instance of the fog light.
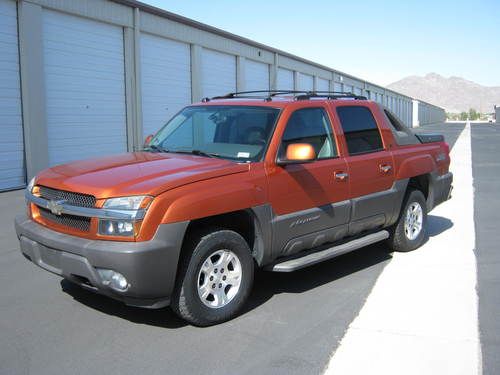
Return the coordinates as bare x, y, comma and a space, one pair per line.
113, 279
116, 227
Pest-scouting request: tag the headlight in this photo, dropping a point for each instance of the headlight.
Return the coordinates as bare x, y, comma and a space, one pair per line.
128, 203
123, 227
116, 227
31, 185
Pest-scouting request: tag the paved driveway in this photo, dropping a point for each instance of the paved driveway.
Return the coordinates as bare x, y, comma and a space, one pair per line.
292, 324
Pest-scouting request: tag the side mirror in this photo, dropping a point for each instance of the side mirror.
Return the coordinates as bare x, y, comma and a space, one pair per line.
298, 153
148, 140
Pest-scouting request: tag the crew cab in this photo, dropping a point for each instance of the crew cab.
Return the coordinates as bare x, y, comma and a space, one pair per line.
278, 180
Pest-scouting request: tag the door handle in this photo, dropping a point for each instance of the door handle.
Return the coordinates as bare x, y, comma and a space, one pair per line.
385, 168
341, 176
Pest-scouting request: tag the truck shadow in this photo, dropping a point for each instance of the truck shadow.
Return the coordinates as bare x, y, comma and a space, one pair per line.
437, 225
267, 284
370, 259
163, 318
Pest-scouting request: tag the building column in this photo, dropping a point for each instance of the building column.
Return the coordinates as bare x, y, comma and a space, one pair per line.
196, 89
138, 137
273, 73
33, 88
240, 73
296, 77
130, 89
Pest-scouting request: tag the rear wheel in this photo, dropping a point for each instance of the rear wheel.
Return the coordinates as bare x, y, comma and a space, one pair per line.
410, 230
215, 279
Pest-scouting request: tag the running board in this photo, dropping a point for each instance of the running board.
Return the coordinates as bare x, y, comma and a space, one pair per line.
332, 252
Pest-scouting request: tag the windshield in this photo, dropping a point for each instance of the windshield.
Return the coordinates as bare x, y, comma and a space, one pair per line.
233, 132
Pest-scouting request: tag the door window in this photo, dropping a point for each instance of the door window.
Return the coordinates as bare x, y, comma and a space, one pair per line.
310, 125
360, 130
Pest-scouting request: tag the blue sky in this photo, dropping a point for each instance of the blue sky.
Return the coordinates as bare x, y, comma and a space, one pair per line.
380, 41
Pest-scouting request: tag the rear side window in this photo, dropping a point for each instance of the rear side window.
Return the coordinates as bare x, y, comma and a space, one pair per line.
360, 130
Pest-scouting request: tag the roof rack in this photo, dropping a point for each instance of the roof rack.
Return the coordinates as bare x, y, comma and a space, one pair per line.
298, 95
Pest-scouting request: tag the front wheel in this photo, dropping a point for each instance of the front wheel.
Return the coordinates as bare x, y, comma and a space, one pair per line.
410, 230
215, 280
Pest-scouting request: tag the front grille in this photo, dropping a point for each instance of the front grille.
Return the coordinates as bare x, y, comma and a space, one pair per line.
77, 222
74, 199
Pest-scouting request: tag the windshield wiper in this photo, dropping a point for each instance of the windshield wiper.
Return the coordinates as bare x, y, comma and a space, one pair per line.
197, 153
156, 148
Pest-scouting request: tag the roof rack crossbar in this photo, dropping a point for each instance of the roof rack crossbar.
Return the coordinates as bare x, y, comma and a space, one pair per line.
299, 94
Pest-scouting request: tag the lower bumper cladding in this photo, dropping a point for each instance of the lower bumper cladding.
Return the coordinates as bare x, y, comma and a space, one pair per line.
136, 273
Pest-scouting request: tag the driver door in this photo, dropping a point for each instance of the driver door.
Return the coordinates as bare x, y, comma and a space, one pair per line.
310, 200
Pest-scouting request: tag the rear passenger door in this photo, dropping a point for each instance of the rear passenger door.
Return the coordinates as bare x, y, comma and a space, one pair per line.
370, 165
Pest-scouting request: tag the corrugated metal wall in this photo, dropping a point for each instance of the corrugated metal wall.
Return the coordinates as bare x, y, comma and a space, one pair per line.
107, 73
84, 87
12, 173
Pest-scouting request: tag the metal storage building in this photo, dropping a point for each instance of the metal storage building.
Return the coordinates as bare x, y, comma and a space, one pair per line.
84, 78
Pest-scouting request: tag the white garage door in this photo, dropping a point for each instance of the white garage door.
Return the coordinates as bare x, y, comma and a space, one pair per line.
322, 85
85, 91
11, 131
256, 76
218, 72
166, 80
306, 82
338, 87
284, 80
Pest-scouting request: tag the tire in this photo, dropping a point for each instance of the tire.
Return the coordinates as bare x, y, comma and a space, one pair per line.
206, 256
404, 238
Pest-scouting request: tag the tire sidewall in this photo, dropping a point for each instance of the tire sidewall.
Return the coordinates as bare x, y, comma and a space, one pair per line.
208, 244
408, 245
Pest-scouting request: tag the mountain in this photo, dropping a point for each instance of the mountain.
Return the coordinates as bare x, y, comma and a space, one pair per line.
455, 94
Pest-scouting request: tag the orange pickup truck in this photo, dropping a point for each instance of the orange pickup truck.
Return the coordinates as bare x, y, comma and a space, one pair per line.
276, 179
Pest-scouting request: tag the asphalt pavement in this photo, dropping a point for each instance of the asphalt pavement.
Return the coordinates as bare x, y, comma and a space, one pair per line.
292, 323
486, 173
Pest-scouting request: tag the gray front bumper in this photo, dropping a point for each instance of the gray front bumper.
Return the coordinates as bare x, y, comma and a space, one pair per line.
150, 267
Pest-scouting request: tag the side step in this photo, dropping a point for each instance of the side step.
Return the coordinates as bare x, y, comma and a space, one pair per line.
332, 252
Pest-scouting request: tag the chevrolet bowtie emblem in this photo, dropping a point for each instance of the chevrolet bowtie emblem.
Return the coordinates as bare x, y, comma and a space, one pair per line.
56, 207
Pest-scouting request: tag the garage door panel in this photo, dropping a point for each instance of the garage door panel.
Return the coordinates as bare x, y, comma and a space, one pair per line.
85, 87
322, 85
284, 79
218, 73
165, 80
306, 82
256, 75
12, 173
78, 31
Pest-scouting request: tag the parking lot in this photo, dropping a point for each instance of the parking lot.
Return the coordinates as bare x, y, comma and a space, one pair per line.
292, 324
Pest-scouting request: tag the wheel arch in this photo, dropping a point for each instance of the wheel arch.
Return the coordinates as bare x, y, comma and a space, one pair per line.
426, 184
253, 224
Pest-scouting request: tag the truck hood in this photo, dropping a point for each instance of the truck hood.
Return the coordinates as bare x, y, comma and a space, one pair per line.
137, 173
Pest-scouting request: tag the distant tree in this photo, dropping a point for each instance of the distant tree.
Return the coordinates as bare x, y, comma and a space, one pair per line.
453, 116
473, 114
463, 116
